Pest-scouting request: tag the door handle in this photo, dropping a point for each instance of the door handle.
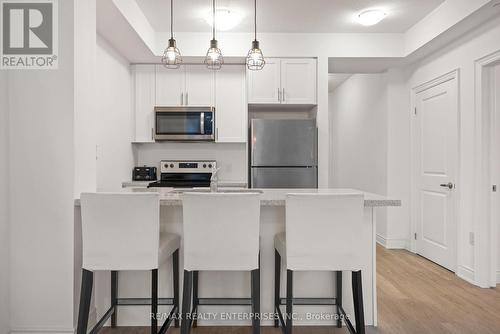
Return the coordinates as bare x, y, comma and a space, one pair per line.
448, 185
279, 95
182, 99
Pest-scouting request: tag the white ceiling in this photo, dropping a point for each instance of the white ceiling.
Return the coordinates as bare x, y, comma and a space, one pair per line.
291, 16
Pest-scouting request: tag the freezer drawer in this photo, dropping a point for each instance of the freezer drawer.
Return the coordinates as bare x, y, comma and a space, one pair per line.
284, 143
276, 177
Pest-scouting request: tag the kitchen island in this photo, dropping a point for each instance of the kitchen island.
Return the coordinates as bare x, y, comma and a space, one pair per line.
237, 284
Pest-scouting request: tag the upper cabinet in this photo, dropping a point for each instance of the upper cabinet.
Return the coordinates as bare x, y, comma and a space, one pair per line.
284, 81
199, 89
192, 85
189, 85
264, 86
231, 107
144, 89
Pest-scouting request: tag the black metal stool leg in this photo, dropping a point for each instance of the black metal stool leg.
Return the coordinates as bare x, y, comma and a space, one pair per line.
85, 297
289, 302
195, 298
114, 297
255, 278
339, 297
186, 302
154, 301
175, 270
357, 292
277, 273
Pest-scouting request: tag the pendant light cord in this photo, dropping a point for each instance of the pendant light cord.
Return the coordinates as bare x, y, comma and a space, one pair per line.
255, 18
213, 27
172, 19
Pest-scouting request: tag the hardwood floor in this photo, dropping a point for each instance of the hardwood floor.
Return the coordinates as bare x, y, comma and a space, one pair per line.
415, 296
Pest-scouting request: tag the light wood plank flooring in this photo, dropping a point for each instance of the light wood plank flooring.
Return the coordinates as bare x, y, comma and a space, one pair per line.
415, 296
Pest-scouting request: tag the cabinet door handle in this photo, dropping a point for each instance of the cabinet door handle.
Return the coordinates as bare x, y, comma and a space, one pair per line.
182, 99
152, 134
187, 99
279, 95
283, 94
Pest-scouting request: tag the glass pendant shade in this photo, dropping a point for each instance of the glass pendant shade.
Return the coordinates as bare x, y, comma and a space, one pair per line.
172, 58
214, 59
255, 58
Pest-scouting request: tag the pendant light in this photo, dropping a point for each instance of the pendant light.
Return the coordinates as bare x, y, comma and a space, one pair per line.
214, 59
255, 58
172, 58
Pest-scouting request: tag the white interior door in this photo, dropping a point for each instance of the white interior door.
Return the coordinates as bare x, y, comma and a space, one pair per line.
264, 85
437, 147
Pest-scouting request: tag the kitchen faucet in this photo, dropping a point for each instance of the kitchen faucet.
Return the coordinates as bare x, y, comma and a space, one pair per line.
214, 180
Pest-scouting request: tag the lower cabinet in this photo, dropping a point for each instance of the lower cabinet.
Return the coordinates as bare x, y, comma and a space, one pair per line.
231, 109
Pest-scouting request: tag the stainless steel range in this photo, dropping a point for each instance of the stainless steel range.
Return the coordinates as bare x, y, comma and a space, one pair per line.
185, 174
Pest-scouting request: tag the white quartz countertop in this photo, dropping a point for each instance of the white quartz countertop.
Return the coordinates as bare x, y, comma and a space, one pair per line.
270, 197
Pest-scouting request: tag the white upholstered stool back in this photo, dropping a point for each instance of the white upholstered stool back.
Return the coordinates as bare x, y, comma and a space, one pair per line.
120, 231
221, 231
321, 231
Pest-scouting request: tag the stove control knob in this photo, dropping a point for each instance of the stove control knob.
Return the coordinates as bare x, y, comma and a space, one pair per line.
209, 165
171, 165
166, 165
204, 165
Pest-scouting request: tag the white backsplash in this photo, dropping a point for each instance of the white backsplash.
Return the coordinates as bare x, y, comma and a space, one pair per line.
231, 158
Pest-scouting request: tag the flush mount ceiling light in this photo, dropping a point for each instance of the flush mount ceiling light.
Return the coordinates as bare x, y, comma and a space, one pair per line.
371, 17
225, 19
214, 59
172, 58
255, 58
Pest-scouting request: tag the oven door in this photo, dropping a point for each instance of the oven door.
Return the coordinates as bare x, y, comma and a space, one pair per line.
184, 124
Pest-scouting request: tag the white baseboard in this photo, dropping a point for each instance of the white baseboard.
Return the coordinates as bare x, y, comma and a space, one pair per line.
42, 331
393, 243
466, 273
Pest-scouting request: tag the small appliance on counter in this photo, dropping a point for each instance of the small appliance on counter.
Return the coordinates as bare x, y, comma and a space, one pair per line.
144, 174
185, 174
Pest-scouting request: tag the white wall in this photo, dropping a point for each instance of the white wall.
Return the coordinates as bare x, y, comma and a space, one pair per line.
497, 106
358, 112
461, 55
232, 158
115, 126
4, 214
85, 96
41, 167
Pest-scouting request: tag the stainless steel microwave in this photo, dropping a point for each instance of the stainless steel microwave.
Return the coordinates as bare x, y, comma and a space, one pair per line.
185, 123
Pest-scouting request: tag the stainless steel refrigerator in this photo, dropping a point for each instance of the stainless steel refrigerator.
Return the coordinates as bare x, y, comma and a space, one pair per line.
283, 153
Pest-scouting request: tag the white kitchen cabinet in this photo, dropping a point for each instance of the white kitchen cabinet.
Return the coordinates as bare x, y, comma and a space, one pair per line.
298, 81
144, 87
264, 86
170, 86
199, 89
189, 85
284, 81
231, 109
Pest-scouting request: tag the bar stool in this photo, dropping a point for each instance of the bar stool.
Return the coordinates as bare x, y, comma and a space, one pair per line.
321, 236
221, 233
121, 231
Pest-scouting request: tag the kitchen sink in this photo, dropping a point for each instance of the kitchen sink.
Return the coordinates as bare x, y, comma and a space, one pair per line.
220, 190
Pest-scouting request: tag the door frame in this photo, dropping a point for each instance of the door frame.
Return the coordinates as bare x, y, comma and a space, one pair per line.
486, 160
415, 160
